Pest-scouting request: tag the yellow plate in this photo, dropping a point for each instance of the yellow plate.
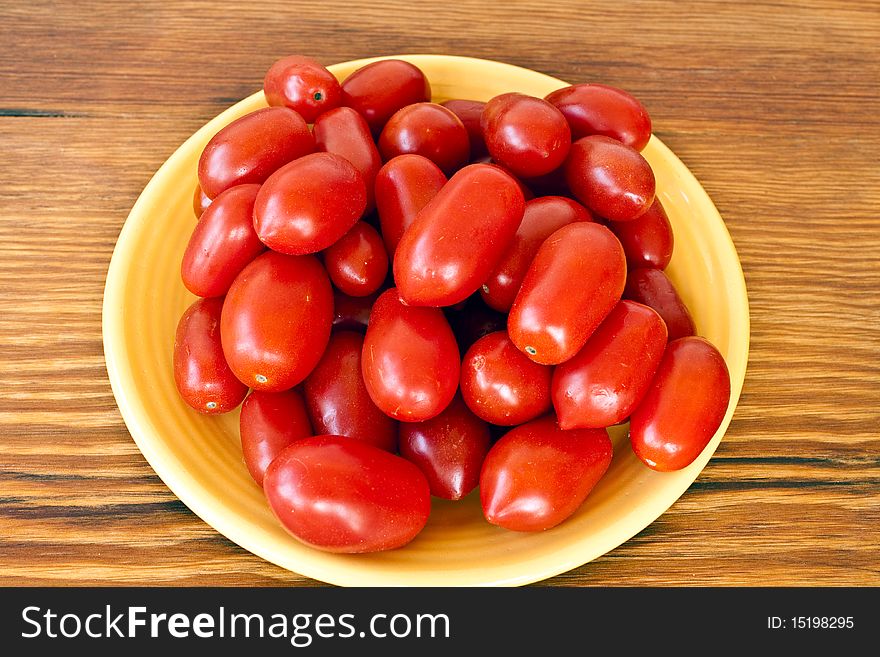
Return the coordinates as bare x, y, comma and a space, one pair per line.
199, 458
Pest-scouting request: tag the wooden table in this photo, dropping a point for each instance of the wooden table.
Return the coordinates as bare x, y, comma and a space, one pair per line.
774, 107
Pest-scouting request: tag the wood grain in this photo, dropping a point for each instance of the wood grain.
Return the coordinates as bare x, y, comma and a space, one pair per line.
773, 105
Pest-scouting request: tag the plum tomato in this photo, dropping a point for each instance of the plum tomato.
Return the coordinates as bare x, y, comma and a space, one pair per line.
302, 84
411, 363
469, 112
252, 147
337, 398
200, 201
449, 449
684, 406
653, 288
429, 130
538, 475
574, 281
542, 217
357, 263
610, 178
501, 385
341, 495
647, 240
276, 320
222, 243
269, 422
378, 90
344, 132
201, 373
307, 205
607, 379
458, 237
597, 109
352, 313
527, 135
404, 185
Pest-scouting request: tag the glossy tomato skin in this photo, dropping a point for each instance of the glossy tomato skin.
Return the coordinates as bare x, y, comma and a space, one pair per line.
429, 130
607, 379
411, 363
201, 373
542, 217
337, 398
276, 320
610, 178
469, 112
684, 406
222, 243
251, 148
501, 385
527, 135
269, 422
200, 201
449, 449
341, 495
302, 84
378, 90
352, 313
307, 205
404, 185
598, 109
458, 237
647, 240
574, 281
357, 263
653, 288
344, 132
537, 475
472, 319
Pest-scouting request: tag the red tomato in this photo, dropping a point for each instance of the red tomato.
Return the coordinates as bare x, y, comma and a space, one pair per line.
574, 281
527, 135
429, 130
357, 263
344, 132
352, 313
411, 362
472, 319
449, 449
469, 112
597, 109
341, 495
200, 201
610, 178
222, 243
310, 203
538, 475
201, 373
276, 320
684, 406
251, 148
338, 400
456, 240
269, 422
607, 379
647, 240
379, 89
404, 186
654, 289
542, 217
501, 385
302, 84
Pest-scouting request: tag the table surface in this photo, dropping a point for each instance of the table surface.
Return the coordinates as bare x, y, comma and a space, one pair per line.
773, 106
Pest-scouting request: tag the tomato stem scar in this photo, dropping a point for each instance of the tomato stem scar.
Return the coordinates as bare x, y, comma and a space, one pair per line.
261, 378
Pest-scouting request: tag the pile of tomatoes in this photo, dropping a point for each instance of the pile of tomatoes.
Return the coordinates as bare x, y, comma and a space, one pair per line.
424, 298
